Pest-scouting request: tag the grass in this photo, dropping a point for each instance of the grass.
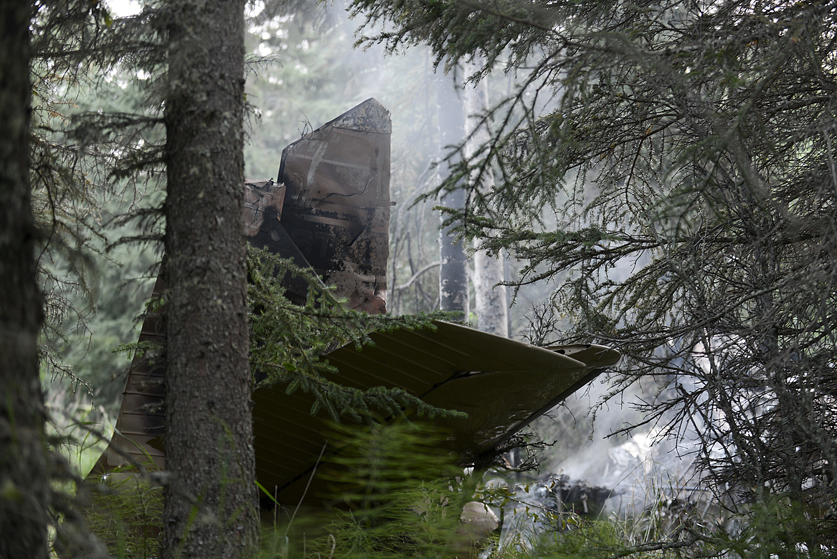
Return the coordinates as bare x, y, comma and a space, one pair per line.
400, 497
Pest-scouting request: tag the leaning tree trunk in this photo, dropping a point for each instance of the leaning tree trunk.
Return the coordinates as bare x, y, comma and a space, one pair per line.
492, 307
24, 483
453, 273
210, 499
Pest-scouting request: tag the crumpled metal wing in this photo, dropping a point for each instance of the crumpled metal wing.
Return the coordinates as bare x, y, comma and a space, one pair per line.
502, 385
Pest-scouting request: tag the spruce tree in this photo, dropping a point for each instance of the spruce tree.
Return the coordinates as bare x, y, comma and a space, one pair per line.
210, 510
24, 477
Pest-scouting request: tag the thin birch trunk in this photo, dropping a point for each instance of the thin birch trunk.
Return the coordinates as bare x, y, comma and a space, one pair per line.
490, 297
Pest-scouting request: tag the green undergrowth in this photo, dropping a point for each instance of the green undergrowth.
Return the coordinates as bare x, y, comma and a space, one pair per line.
125, 511
394, 492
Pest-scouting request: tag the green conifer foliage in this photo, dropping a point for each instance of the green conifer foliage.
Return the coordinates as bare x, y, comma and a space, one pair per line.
670, 165
395, 492
290, 343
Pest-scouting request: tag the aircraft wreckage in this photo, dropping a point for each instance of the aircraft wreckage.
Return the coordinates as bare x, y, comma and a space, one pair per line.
329, 210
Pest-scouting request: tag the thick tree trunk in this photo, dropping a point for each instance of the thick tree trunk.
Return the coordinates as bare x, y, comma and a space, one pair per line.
24, 480
453, 273
491, 302
210, 499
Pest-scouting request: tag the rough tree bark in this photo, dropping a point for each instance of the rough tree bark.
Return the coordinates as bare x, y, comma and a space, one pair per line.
24, 480
492, 307
453, 273
210, 497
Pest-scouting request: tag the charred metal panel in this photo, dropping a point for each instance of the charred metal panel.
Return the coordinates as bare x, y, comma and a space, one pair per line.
263, 202
337, 202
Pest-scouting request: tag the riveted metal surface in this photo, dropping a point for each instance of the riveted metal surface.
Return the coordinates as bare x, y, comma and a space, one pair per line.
501, 384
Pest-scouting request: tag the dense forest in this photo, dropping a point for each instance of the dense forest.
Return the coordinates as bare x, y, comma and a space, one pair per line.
654, 176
